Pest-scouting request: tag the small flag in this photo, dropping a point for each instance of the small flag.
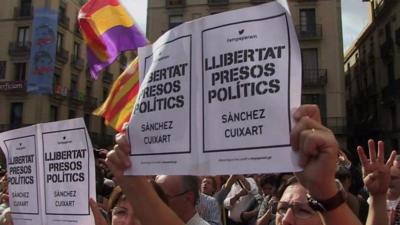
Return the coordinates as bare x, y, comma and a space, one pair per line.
108, 30
117, 108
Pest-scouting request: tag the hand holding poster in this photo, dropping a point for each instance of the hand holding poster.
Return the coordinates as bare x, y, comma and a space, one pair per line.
217, 94
51, 173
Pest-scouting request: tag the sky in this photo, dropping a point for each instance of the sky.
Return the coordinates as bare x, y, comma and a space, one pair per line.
354, 17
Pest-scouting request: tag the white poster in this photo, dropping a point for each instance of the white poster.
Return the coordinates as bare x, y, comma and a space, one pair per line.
217, 95
55, 163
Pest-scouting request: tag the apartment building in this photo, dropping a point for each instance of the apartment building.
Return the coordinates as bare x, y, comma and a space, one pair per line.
372, 78
75, 94
319, 29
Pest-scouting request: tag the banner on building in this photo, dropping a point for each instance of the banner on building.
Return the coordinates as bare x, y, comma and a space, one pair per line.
43, 51
216, 96
51, 173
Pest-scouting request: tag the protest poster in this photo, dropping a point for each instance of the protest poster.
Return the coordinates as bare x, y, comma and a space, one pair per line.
217, 95
55, 164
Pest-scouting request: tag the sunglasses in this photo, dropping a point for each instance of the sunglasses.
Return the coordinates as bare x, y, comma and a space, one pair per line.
300, 210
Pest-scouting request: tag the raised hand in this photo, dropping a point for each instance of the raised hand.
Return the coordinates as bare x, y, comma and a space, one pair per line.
376, 173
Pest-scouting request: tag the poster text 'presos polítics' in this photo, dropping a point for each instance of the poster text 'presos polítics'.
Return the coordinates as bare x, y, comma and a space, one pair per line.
19, 171
238, 77
65, 166
162, 92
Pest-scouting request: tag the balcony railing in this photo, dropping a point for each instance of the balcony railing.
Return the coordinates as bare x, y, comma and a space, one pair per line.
315, 77
78, 63
19, 48
387, 50
62, 55
107, 77
76, 96
309, 31
63, 21
176, 3
23, 12
217, 2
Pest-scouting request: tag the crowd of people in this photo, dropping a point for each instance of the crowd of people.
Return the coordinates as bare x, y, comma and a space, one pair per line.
325, 192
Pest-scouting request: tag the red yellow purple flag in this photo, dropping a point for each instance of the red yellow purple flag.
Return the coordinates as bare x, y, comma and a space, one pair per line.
118, 106
108, 30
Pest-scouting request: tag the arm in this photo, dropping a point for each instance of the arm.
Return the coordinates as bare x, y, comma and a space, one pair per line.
318, 150
148, 207
376, 176
264, 219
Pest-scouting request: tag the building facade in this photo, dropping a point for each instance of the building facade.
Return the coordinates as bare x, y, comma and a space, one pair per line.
75, 94
319, 29
372, 78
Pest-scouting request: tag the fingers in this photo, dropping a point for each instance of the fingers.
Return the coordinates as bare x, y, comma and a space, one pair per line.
381, 152
391, 159
311, 111
372, 152
361, 155
305, 123
122, 141
98, 217
118, 159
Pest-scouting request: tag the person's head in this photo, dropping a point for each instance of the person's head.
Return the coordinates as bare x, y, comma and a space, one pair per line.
208, 185
293, 208
121, 210
182, 194
268, 184
344, 176
394, 186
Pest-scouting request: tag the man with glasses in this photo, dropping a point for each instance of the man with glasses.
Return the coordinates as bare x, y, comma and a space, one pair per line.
182, 195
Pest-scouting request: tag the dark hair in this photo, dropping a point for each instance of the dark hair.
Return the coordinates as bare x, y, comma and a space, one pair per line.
191, 183
342, 173
291, 181
271, 179
214, 181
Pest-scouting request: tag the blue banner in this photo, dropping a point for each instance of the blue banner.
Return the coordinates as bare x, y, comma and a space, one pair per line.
43, 51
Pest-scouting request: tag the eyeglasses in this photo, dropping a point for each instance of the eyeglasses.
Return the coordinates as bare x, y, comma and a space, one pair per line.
119, 211
300, 210
177, 195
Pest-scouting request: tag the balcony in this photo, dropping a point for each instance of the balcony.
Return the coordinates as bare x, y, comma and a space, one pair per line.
217, 2
309, 32
76, 97
107, 77
63, 21
336, 124
175, 3
315, 78
387, 50
90, 102
19, 49
77, 63
62, 55
23, 13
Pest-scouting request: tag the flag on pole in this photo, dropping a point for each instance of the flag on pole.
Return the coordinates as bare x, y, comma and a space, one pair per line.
118, 106
108, 30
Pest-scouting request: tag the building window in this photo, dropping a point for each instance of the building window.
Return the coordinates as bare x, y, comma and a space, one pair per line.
105, 93
3, 69
175, 20
309, 58
71, 114
318, 99
77, 47
88, 90
53, 113
16, 114
20, 71
307, 21
74, 86
22, 36
60, 40
26, 7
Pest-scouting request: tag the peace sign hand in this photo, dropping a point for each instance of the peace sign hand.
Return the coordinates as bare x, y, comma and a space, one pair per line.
376, 173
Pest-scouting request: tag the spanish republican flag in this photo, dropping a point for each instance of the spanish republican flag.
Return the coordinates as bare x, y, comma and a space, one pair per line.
118, 106
108, 30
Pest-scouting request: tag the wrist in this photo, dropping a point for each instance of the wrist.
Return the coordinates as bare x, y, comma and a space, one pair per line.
323, 192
